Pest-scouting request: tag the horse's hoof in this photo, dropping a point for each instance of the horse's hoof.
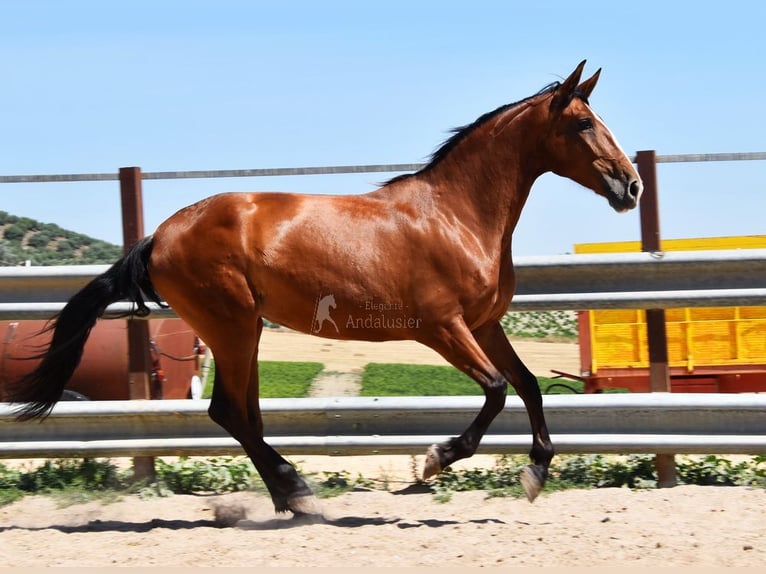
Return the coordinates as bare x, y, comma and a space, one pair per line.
304, 506
531, 482
433, 463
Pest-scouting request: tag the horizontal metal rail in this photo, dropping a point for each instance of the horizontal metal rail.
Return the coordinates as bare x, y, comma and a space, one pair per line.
201, 174
341, 426
583, 281
544, 302
325, 170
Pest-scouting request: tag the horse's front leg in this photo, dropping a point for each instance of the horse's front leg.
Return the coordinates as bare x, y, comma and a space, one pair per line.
499, 350
459, 346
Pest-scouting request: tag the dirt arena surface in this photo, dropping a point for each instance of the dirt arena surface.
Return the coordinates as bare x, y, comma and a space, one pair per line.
683, 526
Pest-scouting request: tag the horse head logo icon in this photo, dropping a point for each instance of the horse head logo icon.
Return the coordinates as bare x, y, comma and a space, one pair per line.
322, 313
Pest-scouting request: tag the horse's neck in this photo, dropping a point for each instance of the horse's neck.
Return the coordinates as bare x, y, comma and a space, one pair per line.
486, 183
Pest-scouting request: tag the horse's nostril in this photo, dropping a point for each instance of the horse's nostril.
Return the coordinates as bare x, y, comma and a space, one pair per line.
634, 189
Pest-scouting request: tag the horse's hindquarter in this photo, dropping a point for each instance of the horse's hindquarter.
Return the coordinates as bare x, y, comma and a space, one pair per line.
200, 258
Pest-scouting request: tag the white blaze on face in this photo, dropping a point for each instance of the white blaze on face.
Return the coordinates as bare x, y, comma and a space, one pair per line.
603, 126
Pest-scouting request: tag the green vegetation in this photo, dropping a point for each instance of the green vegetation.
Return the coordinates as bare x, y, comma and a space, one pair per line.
293, 380
544, 325
189, 476
233, 474
287, 379
278, 379
22, 239
73, 481
391, 379
601, 471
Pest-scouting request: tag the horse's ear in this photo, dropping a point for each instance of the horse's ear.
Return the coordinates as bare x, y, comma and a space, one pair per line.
566, 90
584, 89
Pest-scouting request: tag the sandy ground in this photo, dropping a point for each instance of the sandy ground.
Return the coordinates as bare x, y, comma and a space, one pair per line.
395, 524
684, 526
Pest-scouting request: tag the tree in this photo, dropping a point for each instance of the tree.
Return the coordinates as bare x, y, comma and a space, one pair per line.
65, 248
14, 232
39, 240
7, 256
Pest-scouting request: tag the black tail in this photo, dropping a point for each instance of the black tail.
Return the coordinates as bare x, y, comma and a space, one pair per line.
128, 279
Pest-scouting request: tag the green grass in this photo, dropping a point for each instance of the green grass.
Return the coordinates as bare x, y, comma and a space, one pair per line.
278, 379
391, 379
293, 380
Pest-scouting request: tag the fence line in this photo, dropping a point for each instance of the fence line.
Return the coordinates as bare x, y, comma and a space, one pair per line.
325, 170
343, 426
690, 157
574, 282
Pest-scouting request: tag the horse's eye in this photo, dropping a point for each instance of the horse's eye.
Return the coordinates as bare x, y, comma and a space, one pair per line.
584, 124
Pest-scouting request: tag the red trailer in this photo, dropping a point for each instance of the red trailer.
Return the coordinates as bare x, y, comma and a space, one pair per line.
176, 354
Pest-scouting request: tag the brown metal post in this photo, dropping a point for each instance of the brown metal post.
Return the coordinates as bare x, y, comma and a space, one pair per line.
139, 357
659, 371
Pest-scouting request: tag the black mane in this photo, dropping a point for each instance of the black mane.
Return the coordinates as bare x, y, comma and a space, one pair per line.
460, 133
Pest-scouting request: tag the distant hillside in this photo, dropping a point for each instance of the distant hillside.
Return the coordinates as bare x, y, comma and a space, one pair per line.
23, 239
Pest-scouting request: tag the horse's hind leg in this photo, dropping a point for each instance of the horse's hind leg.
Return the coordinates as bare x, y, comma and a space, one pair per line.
494, 342
235, 406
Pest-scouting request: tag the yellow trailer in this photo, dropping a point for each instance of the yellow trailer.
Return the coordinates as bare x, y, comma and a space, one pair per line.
712, 349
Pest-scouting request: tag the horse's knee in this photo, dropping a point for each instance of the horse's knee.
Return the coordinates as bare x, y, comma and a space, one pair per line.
220, 417
524, 381
495, 393
221, 413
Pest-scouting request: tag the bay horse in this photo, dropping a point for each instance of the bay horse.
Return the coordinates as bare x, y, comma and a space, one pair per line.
429, 251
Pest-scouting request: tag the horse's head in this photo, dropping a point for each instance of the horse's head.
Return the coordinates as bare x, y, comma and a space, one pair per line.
583, 149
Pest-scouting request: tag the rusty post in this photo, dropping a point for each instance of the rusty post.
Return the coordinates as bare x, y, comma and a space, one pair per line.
659, 375
139, 358
659, 371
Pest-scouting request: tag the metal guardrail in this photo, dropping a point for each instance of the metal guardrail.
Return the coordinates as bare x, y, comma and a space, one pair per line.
608, 423
655, 423
584, 281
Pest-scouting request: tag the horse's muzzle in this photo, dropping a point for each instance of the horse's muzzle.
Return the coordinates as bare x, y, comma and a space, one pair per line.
624, 197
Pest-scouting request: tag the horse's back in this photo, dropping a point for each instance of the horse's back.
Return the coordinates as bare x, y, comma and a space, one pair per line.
277, 254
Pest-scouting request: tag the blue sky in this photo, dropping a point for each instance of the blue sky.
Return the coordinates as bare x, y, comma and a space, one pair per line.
93, 86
